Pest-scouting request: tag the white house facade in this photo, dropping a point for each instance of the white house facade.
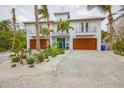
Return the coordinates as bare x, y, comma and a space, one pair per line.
85, 36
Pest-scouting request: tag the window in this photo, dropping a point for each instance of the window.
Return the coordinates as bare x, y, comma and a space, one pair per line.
82, 27
86, 27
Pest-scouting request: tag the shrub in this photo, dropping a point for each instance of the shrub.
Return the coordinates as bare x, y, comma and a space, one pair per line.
13, 65
3, 50
5, 40
45, 54
53, 51
39, 58
30, 66
30, 60
14, 59
61, 51
118, 47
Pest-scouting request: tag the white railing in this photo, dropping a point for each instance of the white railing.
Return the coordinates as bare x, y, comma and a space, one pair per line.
59, 33
90, 30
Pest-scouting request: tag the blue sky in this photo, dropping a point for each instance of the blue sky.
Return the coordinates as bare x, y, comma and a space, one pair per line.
26, 12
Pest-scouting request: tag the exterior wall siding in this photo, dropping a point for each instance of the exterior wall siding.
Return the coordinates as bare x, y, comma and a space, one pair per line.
72, 33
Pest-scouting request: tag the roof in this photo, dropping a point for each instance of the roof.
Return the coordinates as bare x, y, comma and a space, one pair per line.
32, 22
117, 16
72, 19
61, 13
86, 17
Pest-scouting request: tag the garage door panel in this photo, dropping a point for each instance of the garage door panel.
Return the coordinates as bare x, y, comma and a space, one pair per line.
85, 44
43, 43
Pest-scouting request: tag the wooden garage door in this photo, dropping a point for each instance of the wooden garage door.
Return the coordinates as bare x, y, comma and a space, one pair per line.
43, 43
85, 44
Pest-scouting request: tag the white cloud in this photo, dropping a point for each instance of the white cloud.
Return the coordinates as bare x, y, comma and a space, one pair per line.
26, 12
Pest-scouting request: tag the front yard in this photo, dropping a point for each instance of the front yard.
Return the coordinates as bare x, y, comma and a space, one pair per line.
72, 69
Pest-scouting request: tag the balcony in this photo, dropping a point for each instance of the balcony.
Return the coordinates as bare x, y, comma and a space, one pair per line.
32, 32
91, 31
59, 34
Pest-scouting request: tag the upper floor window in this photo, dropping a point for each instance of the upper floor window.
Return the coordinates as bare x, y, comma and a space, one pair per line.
82, 27
86, 27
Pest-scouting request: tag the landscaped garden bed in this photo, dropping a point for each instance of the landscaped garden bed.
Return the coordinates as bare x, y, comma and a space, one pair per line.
29, 58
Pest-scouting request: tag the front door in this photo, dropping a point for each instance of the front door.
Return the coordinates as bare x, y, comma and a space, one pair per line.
61, 42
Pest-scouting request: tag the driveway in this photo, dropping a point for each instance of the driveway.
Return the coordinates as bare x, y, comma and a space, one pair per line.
73, 69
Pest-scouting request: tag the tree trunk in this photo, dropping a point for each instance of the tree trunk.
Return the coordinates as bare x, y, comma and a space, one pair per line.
14, 25
21, 56
37, 28
110, 19
48, 24
62, 40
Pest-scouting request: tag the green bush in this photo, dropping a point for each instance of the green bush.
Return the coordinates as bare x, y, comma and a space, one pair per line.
46, 54
53, 51
118, 47
39, 58
13, 65
14, 59
30, 60
61, 51
30, 66
6, 40
3, 49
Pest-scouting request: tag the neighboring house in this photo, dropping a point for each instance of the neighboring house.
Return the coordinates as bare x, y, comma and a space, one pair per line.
118, 21
85, 36
118, 26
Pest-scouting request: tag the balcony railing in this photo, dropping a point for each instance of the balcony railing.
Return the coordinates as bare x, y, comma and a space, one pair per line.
59, 33
90, 30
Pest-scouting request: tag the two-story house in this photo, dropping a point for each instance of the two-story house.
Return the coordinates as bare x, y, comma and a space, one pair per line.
85, 36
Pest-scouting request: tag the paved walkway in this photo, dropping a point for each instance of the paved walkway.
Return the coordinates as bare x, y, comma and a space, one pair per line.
73, 69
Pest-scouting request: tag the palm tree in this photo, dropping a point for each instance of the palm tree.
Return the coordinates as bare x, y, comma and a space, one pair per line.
5, 25
45, 15
14, 25
63, 25
105, 9
37, 28
46, 31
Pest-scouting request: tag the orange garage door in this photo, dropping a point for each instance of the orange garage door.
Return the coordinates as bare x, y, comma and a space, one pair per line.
85, 44
43, 43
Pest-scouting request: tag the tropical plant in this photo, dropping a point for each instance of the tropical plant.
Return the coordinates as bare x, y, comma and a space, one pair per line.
46, 31
39, 57
45, 15
118, 47
5, 40
19, 49
46, 54
14, 27
13, 65
5, 25
63, 25
31, 65
15, 59
30, 60
37, 28
105, 9
61, 51
103, 34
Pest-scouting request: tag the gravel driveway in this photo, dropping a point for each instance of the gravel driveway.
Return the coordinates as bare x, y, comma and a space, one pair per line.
73, 69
